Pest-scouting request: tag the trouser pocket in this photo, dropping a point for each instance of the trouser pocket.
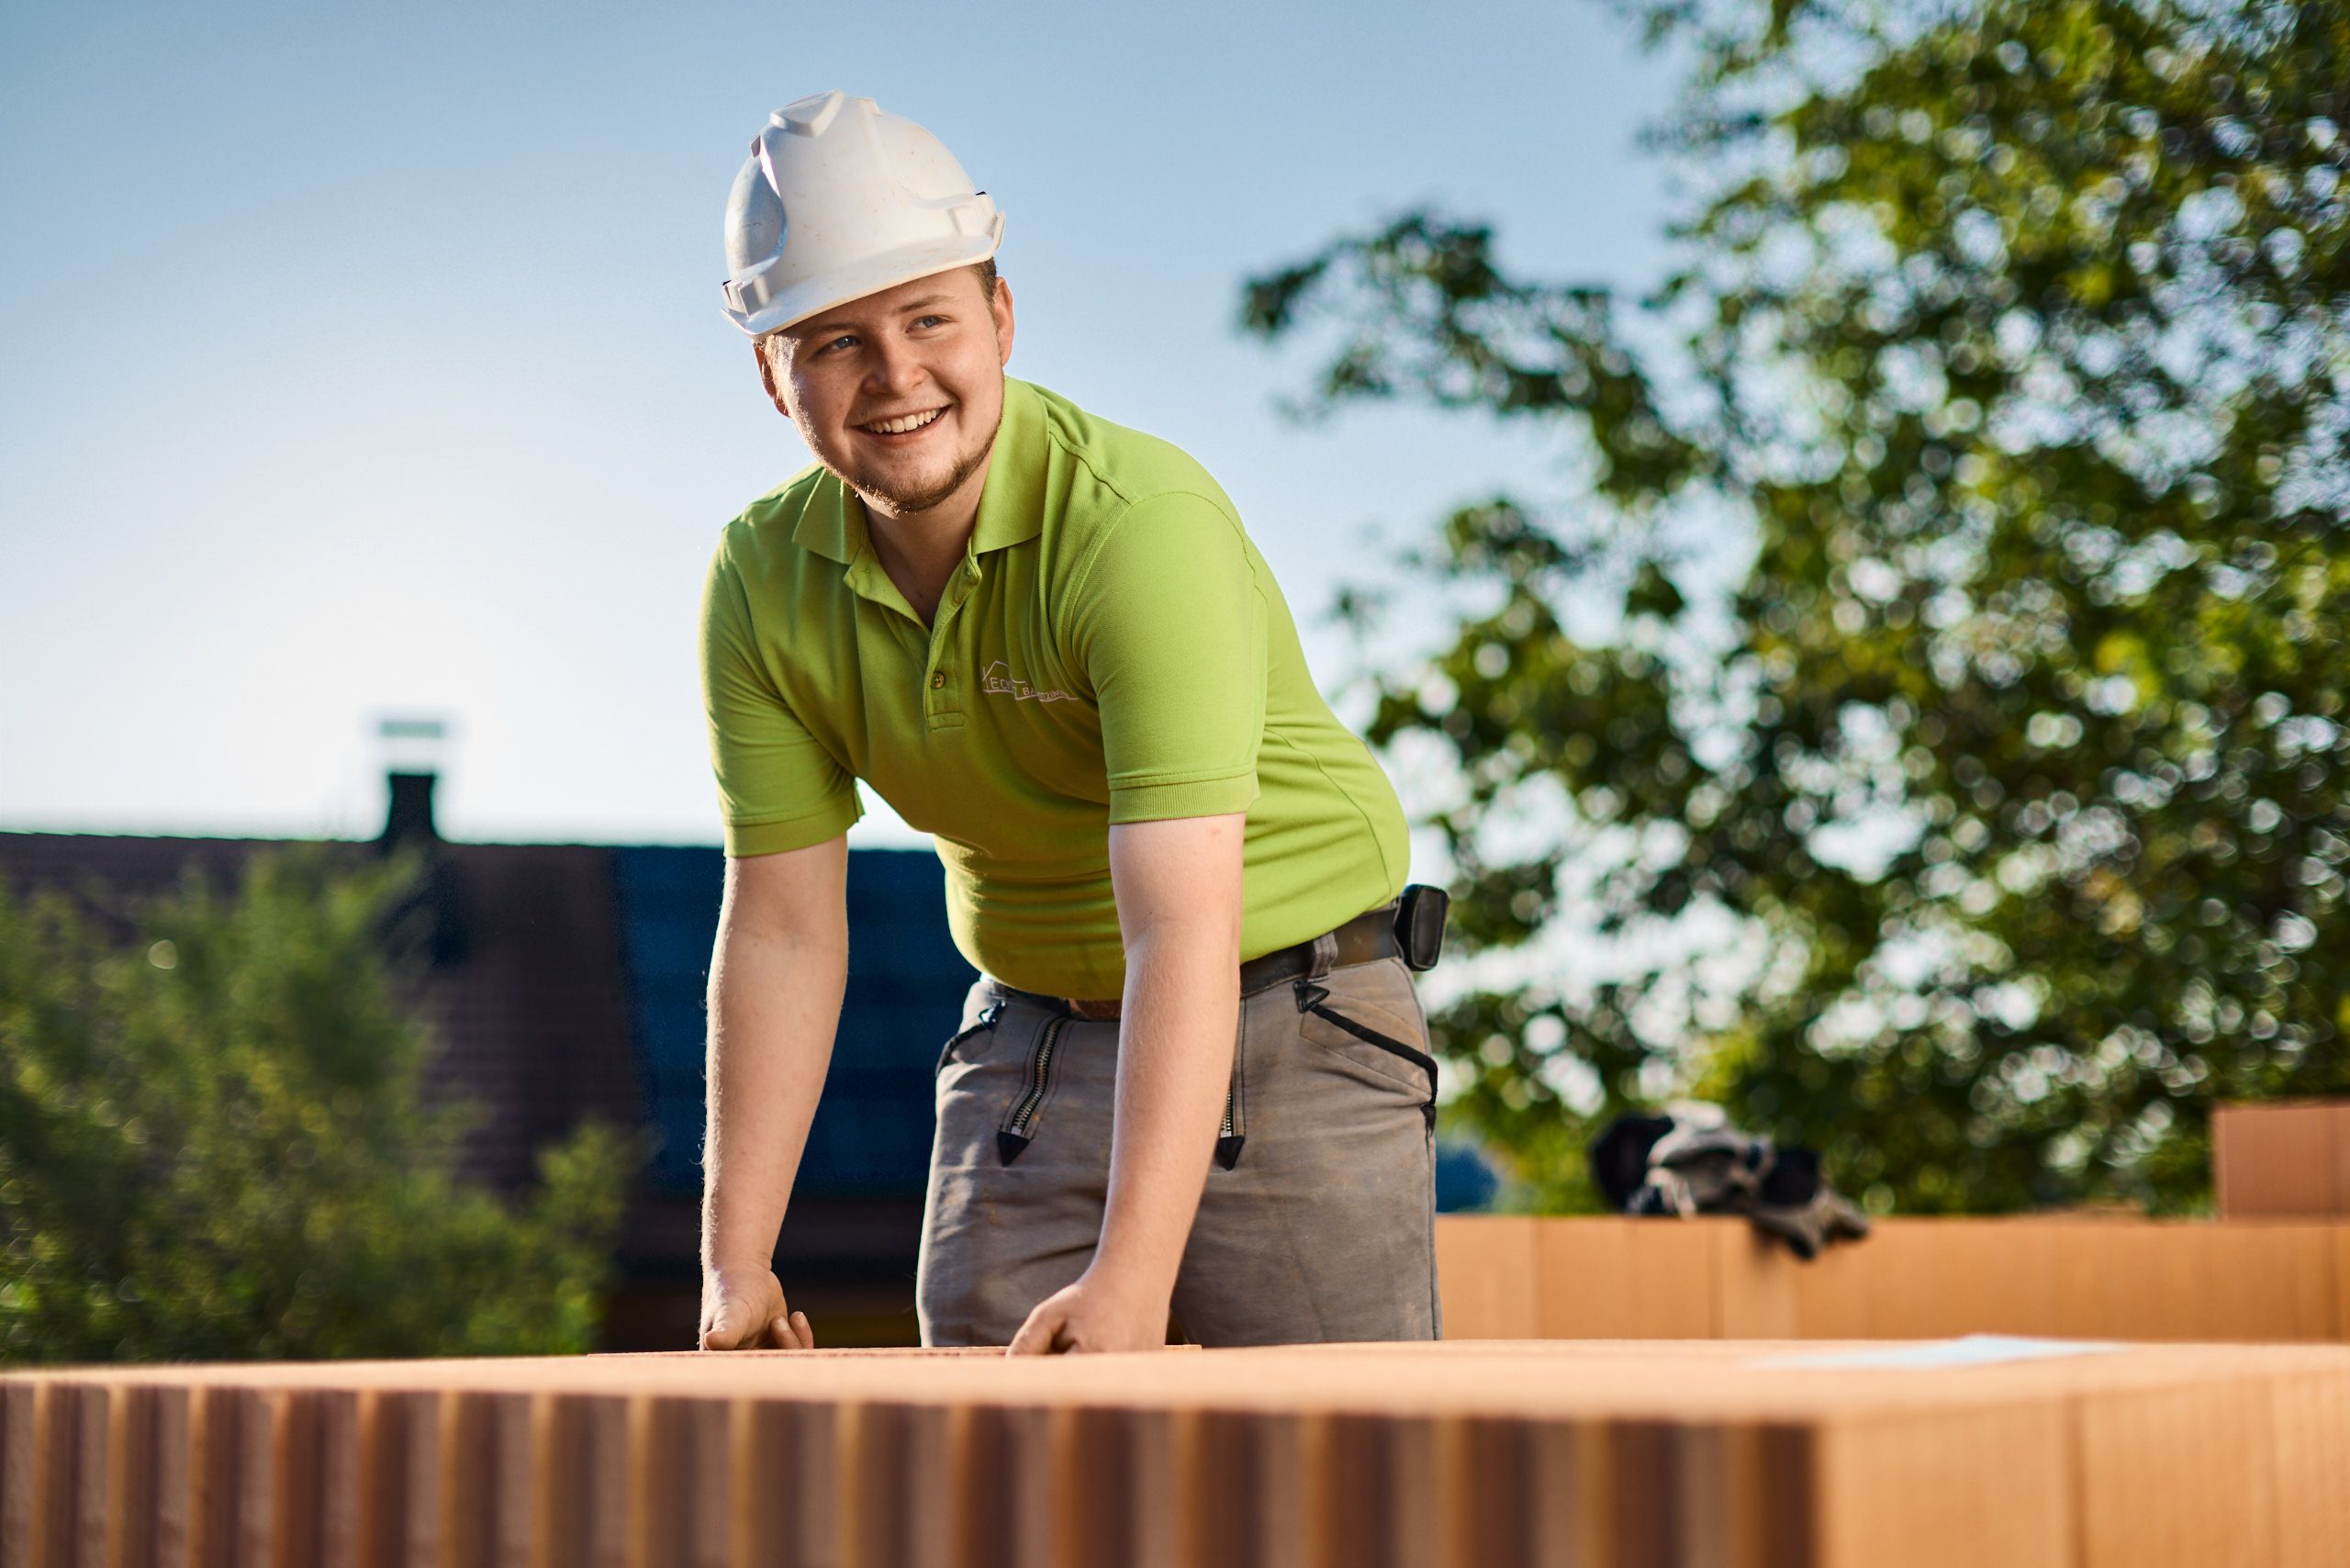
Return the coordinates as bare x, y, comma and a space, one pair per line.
1314, 1000
1020, 1121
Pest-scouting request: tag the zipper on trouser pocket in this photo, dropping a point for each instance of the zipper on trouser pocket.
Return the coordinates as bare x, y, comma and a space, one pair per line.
1019, 1127
1310, 998
1227, 1142
1233, 1131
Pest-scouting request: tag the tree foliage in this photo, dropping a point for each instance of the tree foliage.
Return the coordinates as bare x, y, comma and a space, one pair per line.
2012, 340
214, 1143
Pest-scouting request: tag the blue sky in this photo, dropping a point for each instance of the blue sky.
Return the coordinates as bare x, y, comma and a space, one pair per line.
366, 360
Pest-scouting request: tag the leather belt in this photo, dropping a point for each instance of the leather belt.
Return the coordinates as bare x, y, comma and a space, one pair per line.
1368, 937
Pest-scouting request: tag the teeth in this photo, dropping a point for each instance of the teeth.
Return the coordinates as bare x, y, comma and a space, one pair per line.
911, 422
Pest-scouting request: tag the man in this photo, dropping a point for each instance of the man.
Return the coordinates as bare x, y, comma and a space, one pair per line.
1192, 1074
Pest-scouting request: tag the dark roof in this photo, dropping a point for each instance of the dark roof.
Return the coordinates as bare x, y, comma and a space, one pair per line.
571, 981
530, 1003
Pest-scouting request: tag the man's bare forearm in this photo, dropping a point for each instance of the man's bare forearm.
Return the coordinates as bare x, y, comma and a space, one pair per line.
774, 1001
1182, 1010
1179, 891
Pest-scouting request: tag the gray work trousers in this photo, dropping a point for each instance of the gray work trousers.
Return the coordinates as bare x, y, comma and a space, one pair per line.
1318, 1218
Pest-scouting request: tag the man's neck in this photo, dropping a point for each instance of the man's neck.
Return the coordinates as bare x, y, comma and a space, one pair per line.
922, 540
920, 550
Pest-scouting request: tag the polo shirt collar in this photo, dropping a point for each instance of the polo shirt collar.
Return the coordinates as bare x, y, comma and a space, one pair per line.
828, 525
1012, 505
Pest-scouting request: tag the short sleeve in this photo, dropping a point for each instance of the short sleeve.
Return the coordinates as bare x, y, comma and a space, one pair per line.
1170, 628
778, 787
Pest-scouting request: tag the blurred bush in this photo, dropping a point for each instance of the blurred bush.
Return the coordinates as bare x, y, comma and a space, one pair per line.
214, 1143
1923, 730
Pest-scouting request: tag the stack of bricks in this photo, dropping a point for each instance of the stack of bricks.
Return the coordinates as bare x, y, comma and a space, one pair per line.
1479, 1456
2283, 1160
2274, 1267
1591, 1426
2095, 1276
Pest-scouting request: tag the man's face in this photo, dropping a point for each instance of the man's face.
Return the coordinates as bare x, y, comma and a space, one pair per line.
927, 354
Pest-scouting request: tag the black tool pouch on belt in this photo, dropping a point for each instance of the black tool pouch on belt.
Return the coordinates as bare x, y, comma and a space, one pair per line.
1419, 924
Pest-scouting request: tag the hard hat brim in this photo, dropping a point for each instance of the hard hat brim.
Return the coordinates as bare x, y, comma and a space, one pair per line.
871, 275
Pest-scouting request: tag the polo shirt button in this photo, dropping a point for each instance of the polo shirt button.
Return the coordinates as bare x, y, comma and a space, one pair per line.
938, 680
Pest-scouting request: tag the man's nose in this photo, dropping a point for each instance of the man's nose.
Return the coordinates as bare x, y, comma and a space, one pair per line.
894, 368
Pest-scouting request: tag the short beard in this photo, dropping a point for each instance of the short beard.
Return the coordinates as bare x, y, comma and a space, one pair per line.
904, 500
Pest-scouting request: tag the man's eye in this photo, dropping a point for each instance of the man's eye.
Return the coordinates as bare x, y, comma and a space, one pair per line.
929, 319
835, 343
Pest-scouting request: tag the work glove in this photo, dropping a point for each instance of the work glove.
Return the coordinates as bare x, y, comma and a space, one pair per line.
1619, 1157
1703, 1166
1801, 1210
1691, 1161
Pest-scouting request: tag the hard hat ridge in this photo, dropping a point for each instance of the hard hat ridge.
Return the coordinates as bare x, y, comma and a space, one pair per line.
838, 200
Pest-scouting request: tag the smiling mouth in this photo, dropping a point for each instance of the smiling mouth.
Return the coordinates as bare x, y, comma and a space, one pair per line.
904, 424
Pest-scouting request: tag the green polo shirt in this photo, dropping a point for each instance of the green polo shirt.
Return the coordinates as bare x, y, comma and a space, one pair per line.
1112, 650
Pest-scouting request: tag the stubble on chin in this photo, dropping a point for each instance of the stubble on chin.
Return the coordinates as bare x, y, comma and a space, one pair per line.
881, 488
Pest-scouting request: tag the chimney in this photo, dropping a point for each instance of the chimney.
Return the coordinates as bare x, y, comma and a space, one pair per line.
411, 818
413, 765
433, 909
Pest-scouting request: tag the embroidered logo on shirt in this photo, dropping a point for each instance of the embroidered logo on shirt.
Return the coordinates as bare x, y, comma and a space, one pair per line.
998, 679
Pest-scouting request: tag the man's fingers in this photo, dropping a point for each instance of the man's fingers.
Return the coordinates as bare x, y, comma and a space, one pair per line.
791, 1332
752, 1316
1036, 1336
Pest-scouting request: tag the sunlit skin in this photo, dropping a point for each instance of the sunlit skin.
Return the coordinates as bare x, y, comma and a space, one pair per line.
936, 344
940, 343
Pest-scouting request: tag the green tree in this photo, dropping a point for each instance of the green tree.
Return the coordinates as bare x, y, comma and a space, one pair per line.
214, 1146
2011, 338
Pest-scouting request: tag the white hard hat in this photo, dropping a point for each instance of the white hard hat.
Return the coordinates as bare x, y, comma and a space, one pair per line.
839, 200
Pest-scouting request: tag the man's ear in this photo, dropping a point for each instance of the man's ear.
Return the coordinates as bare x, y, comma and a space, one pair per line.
767, 380
1001, 309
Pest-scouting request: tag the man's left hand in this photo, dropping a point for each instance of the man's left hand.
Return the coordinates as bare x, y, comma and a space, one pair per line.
1097, 1313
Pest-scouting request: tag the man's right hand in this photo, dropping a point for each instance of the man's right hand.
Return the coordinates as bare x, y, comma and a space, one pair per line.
743, 1309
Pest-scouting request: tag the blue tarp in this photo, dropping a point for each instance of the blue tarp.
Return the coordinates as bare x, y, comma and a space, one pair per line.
906, 981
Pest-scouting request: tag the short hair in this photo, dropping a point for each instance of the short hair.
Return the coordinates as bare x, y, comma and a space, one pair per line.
983, 271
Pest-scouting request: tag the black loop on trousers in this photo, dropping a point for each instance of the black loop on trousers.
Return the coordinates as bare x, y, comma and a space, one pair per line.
1311, 998
985, 1021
